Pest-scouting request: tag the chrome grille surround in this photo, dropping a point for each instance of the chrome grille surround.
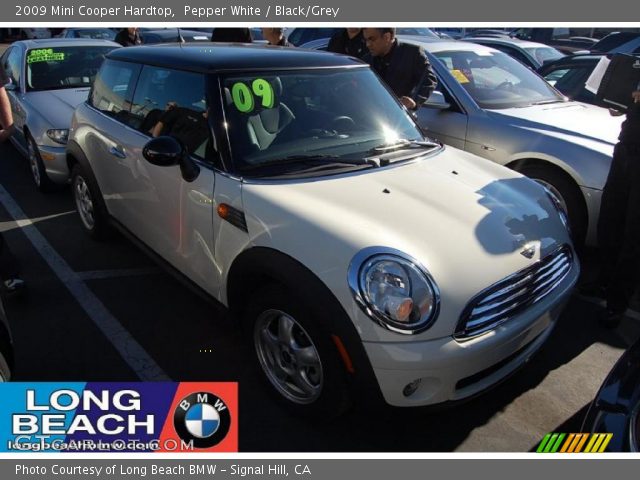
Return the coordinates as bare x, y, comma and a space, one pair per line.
510, 296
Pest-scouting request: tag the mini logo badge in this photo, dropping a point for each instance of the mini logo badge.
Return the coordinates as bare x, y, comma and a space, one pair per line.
636, 64
203, 418
529, 251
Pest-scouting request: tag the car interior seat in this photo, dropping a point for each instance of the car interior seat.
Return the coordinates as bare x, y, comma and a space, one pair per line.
265, 126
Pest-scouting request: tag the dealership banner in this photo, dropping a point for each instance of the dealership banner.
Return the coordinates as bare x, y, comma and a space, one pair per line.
100, 417
315, 11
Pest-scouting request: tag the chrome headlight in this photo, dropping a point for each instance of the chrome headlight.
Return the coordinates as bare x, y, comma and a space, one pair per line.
560, 207
58, 135
394, 290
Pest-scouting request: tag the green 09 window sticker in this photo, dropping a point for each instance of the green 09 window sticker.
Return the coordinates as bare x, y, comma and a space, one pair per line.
44, 55
244, 96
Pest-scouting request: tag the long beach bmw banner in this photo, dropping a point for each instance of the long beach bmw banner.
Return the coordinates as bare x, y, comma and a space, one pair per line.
119, 417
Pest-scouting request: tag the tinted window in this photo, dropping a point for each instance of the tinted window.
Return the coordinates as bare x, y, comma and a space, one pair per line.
172, 102
63, 67
113, 89
571, 81
521, 57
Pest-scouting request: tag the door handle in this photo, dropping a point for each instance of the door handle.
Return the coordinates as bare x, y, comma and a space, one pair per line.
488, 148
116, 151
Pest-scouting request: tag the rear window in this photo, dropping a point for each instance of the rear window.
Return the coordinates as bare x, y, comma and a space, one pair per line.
57, 68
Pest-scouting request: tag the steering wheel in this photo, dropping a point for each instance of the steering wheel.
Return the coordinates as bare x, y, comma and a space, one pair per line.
505, 85
343, 123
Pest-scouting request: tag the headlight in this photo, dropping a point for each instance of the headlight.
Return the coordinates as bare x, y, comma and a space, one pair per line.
394, 290
58, 135
560, 207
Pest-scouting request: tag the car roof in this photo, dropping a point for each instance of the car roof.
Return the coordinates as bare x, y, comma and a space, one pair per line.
449, 45
508, 41
66, 42
207, 57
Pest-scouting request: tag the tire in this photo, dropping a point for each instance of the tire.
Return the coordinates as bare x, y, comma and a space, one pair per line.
295, 354
569, 195
89, 203
38, 172
5, 372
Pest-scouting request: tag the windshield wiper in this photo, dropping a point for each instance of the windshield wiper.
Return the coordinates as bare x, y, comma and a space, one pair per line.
311, 160
546, 102
401, 144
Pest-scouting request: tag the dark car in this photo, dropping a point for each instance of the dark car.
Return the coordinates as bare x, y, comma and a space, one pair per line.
569, 75
99, 33
564, 39
173, 35
616, 408
6, 349
618, 42
301, 36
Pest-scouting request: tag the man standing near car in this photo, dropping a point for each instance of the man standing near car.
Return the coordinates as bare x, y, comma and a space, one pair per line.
404, 67
349, 41
275, 36
129, 37
11, 281
619, 221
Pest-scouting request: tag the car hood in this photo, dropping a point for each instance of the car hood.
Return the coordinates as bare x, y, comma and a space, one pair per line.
587, 125
57, 106
465, 219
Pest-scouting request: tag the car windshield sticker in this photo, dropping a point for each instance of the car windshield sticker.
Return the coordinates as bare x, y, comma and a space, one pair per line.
458, 75
243, 96
45, 55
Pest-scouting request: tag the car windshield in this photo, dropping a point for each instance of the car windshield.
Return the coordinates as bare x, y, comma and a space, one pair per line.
496, 81
56, 68
99, 33
337, 116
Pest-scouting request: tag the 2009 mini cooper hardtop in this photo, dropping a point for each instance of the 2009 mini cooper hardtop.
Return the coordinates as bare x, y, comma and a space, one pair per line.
292, 187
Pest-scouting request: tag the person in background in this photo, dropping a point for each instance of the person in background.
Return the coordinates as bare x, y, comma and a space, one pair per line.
619, 222
9, 271
349, 41
275, 36
404, 67
128, 37
232, 35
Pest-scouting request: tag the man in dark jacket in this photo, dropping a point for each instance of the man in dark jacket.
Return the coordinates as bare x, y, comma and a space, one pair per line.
275, 36
349, 41
232, 35
619, 222
128, 37
404, 67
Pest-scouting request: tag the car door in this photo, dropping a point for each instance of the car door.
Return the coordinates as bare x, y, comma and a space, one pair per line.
12, 63
173, 216
448, 125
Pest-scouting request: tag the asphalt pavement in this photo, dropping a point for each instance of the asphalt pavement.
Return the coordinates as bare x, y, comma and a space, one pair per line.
103, 311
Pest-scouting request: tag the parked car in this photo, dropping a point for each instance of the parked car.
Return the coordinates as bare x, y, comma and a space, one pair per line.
570, 74
618, 42
48, 79
305, 199
489, 104
32, 33
616, 408
173, 35
565, 39
6, 348
531, 54
99, 33
303, 35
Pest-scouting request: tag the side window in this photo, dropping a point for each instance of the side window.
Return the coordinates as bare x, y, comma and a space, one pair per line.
13, 66
172, 102
113, 88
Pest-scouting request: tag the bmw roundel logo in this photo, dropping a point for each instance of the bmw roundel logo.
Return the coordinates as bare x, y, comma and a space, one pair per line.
202, 418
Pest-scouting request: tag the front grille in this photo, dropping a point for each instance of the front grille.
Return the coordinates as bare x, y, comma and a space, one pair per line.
511, 296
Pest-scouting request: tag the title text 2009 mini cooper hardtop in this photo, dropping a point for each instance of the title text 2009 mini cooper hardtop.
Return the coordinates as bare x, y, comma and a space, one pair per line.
293, 187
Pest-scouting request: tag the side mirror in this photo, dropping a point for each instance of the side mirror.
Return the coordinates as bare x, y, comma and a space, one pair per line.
163, 151
436, 100
167, 151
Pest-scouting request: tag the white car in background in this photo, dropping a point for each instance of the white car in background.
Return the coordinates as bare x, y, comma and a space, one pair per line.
489, 104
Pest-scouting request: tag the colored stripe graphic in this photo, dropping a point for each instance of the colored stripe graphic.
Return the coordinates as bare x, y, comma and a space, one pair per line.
574, 443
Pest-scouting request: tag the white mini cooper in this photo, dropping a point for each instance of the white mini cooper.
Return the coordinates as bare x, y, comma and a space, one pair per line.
363, 259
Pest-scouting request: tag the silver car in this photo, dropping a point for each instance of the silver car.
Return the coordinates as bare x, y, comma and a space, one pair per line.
489, 104
48, 79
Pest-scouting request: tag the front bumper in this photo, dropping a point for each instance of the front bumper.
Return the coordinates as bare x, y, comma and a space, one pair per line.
54, 160
450, 370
